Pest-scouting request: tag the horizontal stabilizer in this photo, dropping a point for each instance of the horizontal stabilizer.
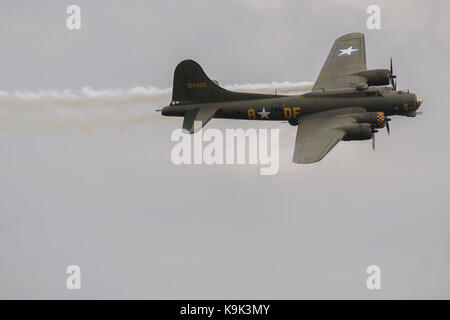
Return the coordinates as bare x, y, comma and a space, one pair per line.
201, 115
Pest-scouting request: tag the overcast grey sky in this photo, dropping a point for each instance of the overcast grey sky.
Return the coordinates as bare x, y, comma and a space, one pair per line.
112, 202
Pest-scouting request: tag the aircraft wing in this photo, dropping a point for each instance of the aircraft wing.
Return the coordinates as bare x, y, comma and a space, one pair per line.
319, 133
346, 57
202, 114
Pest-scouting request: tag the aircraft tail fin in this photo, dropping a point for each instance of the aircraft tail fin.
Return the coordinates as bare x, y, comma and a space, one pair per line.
192, 85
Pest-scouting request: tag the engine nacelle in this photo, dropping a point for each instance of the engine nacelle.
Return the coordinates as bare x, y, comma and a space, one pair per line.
357, 131
375, 77
380, 120
376, 119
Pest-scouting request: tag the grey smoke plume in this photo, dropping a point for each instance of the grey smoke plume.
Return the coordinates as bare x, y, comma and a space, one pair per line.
285, 87
83, 109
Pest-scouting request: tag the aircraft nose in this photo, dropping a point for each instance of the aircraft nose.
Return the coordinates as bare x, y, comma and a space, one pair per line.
419, 100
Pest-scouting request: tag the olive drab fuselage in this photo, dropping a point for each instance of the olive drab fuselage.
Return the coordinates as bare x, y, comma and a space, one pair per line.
281, 108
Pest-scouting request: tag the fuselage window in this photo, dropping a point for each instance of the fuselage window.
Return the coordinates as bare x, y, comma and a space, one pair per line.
276, 108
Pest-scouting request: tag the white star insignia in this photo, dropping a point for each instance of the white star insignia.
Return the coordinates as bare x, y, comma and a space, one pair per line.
347, 51
264, 114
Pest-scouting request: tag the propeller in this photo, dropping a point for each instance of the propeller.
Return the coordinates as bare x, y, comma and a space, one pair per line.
373, 138
393, 77
387, 126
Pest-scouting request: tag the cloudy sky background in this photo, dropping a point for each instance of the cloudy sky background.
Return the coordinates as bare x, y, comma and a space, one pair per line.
110, 200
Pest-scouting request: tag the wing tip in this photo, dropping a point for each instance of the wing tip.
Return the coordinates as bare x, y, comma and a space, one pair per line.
308, 160
351, 35
305, 162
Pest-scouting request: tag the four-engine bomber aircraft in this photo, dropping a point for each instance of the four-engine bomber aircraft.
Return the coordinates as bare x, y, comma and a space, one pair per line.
347, 102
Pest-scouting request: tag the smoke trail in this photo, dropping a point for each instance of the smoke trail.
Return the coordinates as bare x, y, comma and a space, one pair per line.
285, 87
83, 109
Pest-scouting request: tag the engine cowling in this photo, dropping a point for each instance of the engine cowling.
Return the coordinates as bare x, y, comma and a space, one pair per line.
376, 119
357, 131
380, 120
376, 77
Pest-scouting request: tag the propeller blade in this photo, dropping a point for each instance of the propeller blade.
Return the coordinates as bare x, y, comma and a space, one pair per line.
392, 76
387, 126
